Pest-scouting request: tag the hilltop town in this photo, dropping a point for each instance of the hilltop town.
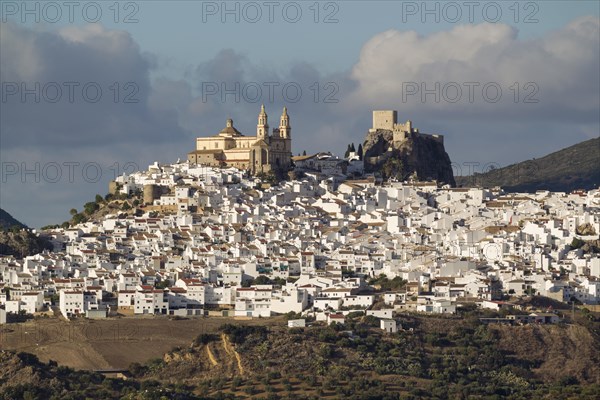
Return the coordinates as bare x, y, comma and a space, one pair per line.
218, 240
352, 267
220, 234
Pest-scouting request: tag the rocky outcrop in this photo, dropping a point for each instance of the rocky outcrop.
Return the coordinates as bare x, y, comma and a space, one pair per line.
22, 243
16, 239
424, 155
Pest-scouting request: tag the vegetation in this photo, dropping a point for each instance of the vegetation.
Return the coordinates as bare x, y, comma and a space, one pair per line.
360, 151
264, 280
588, 246
393, 168
430, 357
349, 149
23, 376
271, 177
386, 284
93, 209
18, 240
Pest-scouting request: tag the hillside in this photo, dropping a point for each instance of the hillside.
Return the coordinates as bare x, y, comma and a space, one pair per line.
456, 354
7, 221
24, 376
432, 357
18, 240
575, 167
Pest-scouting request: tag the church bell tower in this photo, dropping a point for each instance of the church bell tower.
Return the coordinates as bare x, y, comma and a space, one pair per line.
285, 129
262, 129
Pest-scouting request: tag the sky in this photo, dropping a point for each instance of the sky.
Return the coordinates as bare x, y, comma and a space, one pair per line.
91, 90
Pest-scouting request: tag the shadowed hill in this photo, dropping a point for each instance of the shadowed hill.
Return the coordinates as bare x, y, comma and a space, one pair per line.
7, 221
16, 239
575, 167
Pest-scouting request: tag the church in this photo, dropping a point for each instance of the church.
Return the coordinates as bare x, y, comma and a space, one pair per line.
261, 153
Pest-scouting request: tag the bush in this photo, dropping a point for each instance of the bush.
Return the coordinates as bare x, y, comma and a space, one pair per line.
355, 314
250, 390
205, 338
239, 333
371, 321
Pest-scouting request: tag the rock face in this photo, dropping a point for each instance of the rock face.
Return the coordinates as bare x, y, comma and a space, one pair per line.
22, 243
422, 154
17, 240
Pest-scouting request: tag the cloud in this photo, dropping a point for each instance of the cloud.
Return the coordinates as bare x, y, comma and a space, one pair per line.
41, 129
559, 70
79, 86
333, 109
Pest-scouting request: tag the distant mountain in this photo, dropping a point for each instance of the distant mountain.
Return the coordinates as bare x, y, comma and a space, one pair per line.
7, 221
572, 168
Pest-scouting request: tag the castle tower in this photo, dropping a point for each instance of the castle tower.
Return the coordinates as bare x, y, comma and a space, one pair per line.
262, 129
285, 130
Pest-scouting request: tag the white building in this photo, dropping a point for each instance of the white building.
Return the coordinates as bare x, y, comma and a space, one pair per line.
150, 302
388, 325
77, 302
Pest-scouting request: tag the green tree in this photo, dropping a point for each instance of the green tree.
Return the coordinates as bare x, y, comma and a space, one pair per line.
162, 284
360, 151
90, 207
347, 153
262, 280
99, 199
576, 243
78, 218
73, 211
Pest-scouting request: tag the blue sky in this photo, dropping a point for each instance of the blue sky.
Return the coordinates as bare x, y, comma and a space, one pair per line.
188, 32
185, 33
369, 55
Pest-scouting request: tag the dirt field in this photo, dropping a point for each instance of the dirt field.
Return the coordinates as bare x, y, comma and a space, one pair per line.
110, 343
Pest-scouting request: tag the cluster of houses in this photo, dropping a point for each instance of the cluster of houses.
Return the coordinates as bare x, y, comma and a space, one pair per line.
207, 239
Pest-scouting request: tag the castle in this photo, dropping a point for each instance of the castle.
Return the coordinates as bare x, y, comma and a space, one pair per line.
387, 120
258, 154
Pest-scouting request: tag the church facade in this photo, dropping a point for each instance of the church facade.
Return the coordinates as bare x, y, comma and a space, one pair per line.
261, 153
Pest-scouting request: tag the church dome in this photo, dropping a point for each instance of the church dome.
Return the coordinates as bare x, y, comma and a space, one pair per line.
229, 129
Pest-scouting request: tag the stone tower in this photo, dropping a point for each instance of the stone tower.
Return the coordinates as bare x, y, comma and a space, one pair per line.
262, 129
285, 130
